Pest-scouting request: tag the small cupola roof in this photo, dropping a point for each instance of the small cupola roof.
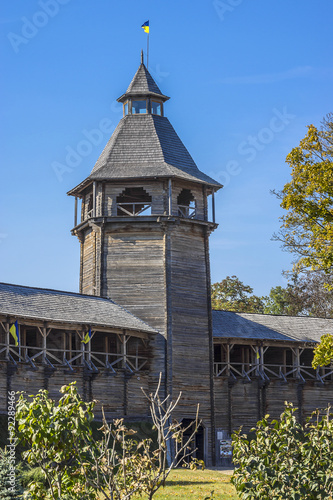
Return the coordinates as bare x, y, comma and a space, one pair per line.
143, 84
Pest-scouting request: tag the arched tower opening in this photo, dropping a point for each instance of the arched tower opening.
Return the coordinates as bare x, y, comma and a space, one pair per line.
186, 204
133, 201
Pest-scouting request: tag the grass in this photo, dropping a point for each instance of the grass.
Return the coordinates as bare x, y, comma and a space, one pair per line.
184, 484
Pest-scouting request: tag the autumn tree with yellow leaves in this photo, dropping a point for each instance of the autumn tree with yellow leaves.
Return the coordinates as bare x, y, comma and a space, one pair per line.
307, 227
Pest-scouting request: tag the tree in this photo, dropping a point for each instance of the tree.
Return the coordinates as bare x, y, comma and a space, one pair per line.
304, 295
307, 229
232, 295
279, 302
115, 466
323, 353
285, 459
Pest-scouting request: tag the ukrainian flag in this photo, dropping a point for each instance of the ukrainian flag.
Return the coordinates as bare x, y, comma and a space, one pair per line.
14, 330
87, 337
145, 26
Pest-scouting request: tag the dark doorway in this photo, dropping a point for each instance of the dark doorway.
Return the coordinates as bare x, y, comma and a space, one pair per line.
198, 443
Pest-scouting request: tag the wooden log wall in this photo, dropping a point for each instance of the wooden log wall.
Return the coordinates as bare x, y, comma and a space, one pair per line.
120, 394
134, 277
242, 403
88, 267
189, 346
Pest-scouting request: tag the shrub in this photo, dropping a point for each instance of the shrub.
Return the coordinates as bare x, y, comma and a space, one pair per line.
285, 460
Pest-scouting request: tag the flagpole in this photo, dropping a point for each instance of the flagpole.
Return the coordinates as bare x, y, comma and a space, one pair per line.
147, 49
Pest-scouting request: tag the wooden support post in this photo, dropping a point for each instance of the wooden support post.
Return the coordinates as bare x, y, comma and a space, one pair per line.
228, 359
213, 206
124, 348
170, 197
44, 344
257, 360
261, 359
64, 345
298, 362
106, 350
7, 340
284, 361
82, 347
94, 199
204, 193
75, 212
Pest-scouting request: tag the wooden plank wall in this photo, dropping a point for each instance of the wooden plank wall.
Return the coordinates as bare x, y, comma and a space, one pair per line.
190, 335
134, 277
120, 394
243, 403
88, 269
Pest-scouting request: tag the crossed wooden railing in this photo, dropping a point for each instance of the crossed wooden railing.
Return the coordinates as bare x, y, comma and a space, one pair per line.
71, 358
267, 371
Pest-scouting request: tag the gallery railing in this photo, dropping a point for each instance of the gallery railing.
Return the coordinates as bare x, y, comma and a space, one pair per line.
71, 358
133, 209
267, 371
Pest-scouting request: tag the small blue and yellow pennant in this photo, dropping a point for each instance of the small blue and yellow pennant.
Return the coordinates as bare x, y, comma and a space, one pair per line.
14, 330
87, 337
145, 26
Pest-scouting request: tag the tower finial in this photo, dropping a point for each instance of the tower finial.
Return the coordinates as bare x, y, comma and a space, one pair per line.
141, 56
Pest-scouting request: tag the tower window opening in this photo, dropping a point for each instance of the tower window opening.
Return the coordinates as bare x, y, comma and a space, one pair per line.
156, 108
139, 107
186, 204
133, 201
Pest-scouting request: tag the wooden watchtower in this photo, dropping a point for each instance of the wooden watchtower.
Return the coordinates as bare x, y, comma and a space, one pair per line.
144, 233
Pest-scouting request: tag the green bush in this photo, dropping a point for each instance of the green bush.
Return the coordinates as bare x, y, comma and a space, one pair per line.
285, 460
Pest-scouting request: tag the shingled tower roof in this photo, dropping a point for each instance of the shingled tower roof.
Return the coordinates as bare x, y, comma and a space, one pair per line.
144, 145
143, 84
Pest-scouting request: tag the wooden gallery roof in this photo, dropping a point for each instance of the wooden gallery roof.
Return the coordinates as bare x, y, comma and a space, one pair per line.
145, 145
265, 327
54, 306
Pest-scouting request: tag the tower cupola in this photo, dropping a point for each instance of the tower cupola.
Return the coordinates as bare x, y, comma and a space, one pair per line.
143, 95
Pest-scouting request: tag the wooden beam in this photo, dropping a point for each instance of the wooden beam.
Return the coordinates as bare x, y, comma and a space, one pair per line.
94, 199
75, 212
170, 197
213, 206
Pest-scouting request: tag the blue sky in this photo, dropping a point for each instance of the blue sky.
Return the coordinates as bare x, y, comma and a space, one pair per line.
245, 78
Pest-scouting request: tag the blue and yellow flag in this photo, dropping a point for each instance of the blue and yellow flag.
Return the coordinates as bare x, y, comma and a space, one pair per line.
14, 330
87, 337
145, 26
258, 354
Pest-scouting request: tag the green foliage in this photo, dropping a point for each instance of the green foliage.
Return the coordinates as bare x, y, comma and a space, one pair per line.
305, 295
8, 490
323, 353
307, 229
278, 302
232, 295
115, 466
52, 432
30, 474
285, 460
